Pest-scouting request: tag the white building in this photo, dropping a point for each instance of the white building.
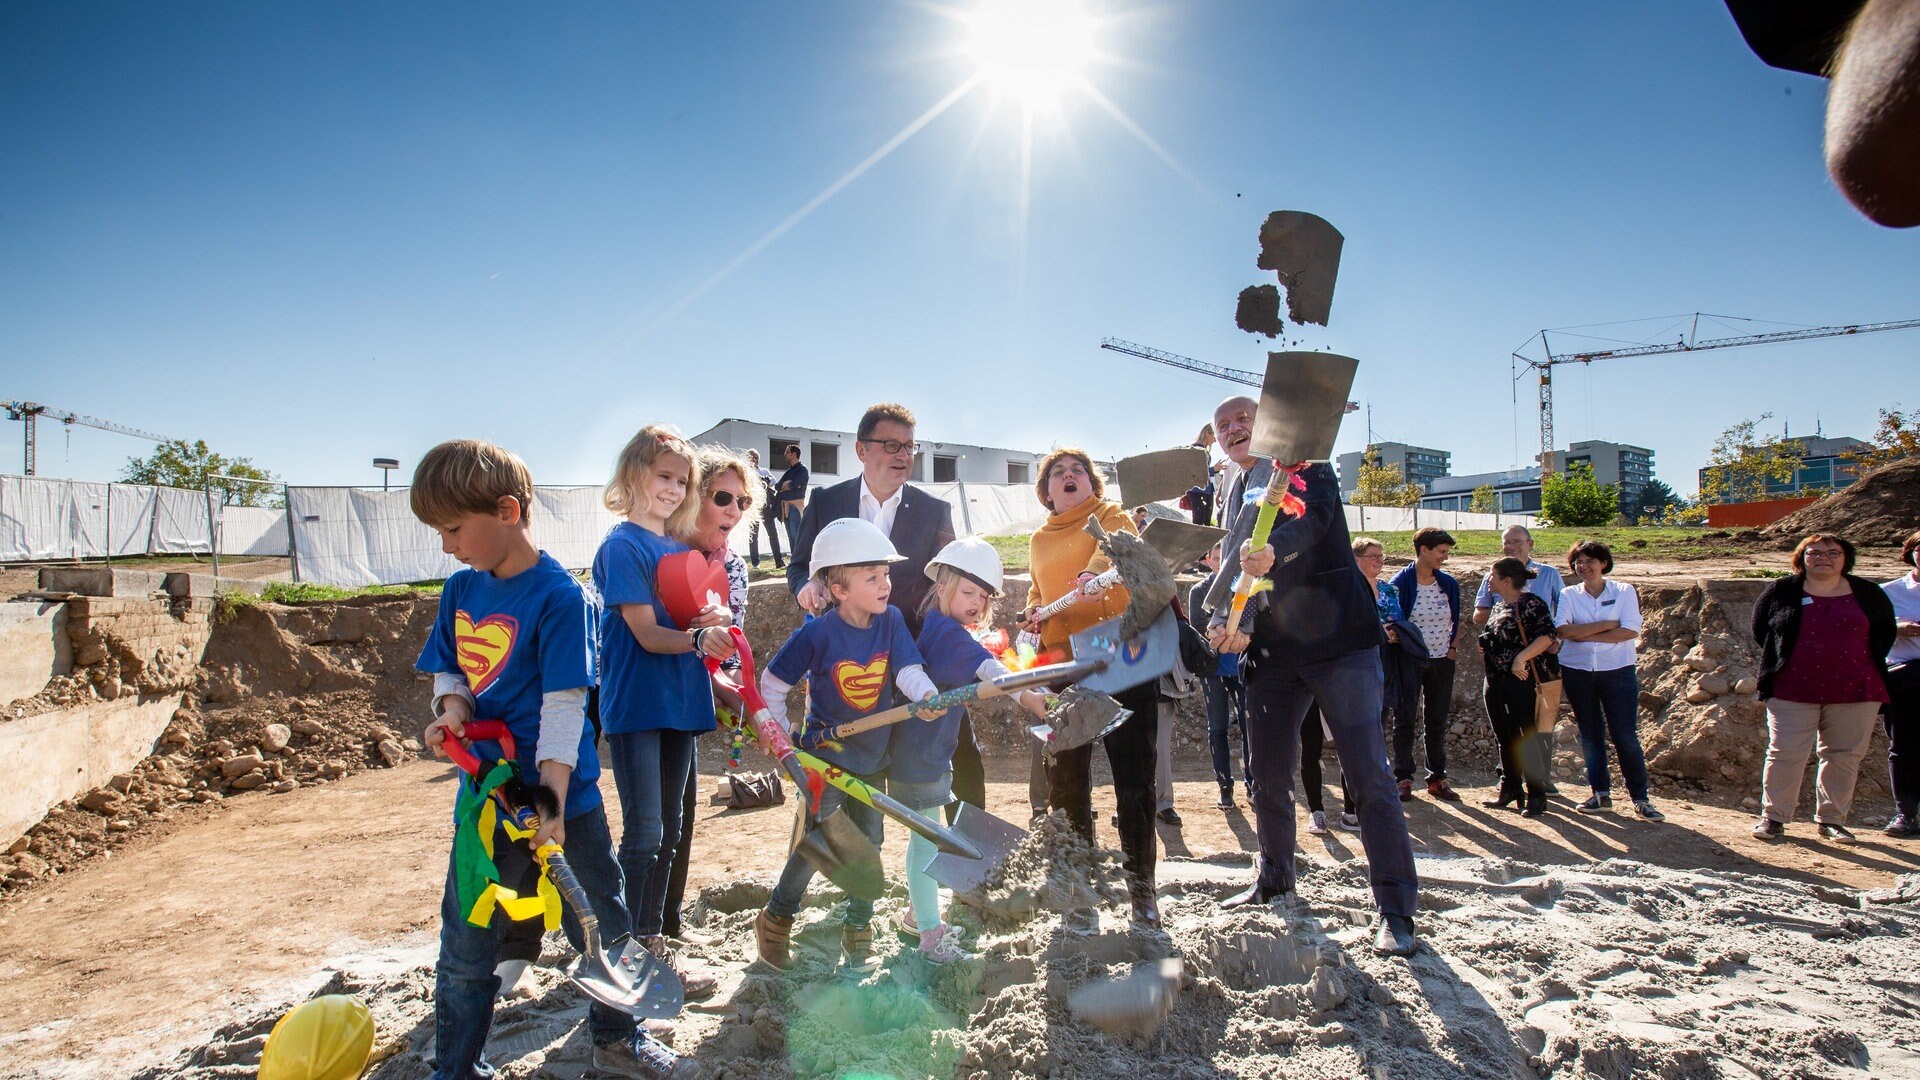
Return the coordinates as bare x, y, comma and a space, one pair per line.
829, 455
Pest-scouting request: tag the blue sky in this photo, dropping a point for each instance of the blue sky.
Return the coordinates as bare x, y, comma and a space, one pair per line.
317, 234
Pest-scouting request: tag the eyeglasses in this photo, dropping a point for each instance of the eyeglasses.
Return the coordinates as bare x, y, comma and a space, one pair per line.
728, 498
894, 446
1823, 554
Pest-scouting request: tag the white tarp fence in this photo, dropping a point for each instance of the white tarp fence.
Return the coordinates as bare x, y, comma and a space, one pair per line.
253, 530
1372, 519
43, 518
352, 537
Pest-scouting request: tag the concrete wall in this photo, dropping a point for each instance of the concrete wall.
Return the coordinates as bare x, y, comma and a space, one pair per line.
55, 756
33, 647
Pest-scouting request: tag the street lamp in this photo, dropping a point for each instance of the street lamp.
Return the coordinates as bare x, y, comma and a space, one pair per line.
386, 465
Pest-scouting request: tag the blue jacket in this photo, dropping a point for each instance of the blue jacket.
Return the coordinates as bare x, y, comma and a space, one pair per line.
1407, 584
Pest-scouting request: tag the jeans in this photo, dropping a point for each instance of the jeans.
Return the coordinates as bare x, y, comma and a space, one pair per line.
772, 524
1903, 736
1226, 703
464, 983
1432, 679
1130, 754
1523, 752
1347, 688
1606, 704
969, 771
682, 852
791, 889
650, 772
793, 528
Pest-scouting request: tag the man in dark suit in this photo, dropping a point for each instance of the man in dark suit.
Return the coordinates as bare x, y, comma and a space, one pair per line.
1316, 638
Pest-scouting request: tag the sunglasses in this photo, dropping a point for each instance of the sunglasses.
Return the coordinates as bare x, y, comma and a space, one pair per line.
728, 498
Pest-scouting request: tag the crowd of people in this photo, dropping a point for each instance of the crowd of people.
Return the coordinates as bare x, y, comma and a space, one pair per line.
896, 609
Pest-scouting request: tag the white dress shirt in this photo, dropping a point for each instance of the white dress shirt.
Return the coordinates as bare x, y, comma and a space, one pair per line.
1905, 594
1617, 601
879, 512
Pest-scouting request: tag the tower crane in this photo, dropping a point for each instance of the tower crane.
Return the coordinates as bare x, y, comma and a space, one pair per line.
1691, 342
1187, 363
29, 412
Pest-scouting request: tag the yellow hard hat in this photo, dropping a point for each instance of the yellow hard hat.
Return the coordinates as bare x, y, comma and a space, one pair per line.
327, 1038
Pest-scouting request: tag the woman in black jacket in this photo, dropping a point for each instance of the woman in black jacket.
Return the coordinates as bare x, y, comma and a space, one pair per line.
1823, 636
1516, 644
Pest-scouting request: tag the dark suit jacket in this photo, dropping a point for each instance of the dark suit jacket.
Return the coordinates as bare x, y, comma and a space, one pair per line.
921, 527
1321, 605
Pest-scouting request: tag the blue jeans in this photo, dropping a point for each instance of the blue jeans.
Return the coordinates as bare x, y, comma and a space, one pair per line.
794, 877
650, 772
1607, 704
1226, 704
464, 983
1348, 688
793, 529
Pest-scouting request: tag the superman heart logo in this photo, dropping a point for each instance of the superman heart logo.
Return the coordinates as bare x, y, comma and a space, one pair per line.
483, 647
860, 685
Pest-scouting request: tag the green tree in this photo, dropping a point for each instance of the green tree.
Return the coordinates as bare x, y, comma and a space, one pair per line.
1485, 500
182, 464
1743, 462
1656, 503
1574, 499
1383, 485
1897, 437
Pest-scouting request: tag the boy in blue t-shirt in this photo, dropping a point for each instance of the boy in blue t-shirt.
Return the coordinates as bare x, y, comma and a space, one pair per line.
513, 641
853, 658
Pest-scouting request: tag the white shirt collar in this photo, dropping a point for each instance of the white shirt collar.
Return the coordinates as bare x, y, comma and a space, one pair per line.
867, 498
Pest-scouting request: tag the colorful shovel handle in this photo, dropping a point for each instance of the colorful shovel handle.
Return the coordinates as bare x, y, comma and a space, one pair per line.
460, 749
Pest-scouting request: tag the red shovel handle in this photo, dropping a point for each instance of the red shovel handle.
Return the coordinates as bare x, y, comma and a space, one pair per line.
461, 749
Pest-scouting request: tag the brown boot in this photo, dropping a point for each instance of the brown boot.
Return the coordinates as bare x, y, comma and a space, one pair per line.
857, 943
774, 936
694, 985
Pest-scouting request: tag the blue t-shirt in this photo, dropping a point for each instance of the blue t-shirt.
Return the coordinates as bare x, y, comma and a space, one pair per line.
1546, 585
515, 639
850, 674
641, 690
920, 751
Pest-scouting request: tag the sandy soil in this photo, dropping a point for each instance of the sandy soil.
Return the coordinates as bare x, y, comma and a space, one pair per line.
127, 961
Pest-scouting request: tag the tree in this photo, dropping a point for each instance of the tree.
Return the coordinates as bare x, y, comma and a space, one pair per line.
1574, 499
179, 463
1897, 437
1656, 503
1743, 463
1383, 485
1485, 500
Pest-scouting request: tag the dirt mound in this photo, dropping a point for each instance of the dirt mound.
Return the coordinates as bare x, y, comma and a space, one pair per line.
1882, 507
1610, 970
283, 696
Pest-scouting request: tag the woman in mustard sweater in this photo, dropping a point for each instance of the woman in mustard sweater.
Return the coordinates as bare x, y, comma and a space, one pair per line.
1063, 557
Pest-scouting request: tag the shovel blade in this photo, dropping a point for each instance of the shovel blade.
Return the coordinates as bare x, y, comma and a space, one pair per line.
1161, 475
630, 979
1181, 543
1081, 717
839, 850
1129, 662
995, 837
1302, 399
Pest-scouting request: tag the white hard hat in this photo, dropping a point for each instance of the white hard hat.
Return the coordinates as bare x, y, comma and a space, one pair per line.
973, 557
849, 542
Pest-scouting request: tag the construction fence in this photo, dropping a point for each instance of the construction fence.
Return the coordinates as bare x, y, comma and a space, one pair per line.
352, 537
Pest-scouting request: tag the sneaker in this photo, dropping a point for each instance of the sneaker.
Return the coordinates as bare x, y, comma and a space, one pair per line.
857, 943
1597, 803
1903, 827
1350, 822
905, 932
1769, 829
645, 1058
1442, 790
1226, 797
1645, 809
1170, 816
513, 980
695, 985
1839, 834
1406, 791
1317, 823
941, 945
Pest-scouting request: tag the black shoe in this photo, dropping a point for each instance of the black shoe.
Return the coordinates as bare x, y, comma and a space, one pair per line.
1839, 834
1596, 804
1506, 799
1536, 805
1552, 790
1226, 797
1769, 829
1169, 816
1145, 914
1253, 895
1903, 827
1395, 936
1115, 822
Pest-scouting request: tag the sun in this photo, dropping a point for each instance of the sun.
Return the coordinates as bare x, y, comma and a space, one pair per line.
1031, 52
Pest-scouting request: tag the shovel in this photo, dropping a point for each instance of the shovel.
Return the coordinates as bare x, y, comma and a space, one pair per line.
985, 689
995, 837
1162, 475
1080, 717
836, 848
626, 976
1181, 543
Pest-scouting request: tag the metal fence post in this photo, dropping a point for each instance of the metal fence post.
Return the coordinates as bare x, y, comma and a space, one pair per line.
213, 531
293, 549
108, 546
966, 516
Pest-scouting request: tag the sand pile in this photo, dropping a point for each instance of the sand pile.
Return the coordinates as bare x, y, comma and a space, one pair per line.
1613, 970
1882, 507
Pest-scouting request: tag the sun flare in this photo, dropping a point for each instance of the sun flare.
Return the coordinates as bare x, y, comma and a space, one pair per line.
1031, 51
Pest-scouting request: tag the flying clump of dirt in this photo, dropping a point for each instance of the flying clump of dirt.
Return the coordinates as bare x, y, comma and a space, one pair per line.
1303, 251
1258, 311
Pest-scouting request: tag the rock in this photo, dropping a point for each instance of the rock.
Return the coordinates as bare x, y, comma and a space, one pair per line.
1698, 696
122, 783
391, 752
120, 825
17, 846
1327, 991
1698, 660
379, 733
100, 800
28, 867
241, 764
284, 786
176, 737
1715, 684
412, 744
275, 738
250, 781
307, 725
1747, 684
1653, 702
1336, 1035
109, 687
1380, 995
206, 796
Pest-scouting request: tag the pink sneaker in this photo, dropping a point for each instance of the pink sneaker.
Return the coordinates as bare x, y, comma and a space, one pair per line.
941, 945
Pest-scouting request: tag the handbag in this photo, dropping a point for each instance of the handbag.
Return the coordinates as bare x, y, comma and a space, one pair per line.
1546, 701
746, 791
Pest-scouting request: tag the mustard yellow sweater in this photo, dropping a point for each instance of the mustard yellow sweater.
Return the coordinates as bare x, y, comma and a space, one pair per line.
1059, 553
